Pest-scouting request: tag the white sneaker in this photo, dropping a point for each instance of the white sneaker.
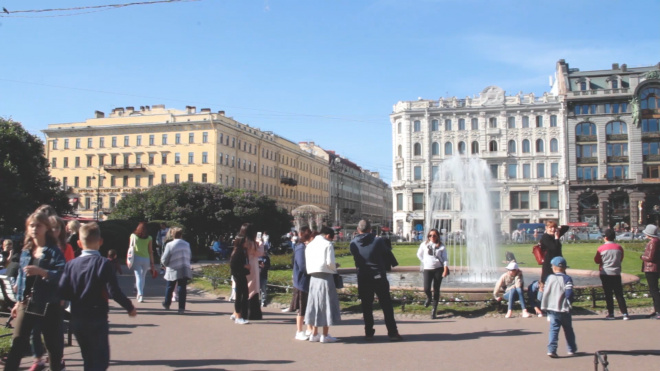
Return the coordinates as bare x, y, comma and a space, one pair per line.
241, 321
315, 338
301, 336
140, 299
232, 317
308, 333
525, 314
285, 310
175, 297
328, 339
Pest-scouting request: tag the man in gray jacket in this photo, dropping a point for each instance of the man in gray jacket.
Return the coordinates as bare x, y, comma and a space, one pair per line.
373, 258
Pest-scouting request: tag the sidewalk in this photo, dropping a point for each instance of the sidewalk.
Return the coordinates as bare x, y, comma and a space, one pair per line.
205, 339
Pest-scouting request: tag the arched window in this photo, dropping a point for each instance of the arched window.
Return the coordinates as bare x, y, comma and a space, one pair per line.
475, 147
475, 124
525, 146
492, 122
539, 146
492, 146
511, 146
649, 98
417, 125
399, 151
398, 128
616, 127
448, 148
417, 149
585, 128
511, 122
554, 145
435, 149
461, 148
434, 125
461, 124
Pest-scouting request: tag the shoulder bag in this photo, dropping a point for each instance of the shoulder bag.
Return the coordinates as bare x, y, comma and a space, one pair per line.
33, 307
339, 281
538, 253
130, 255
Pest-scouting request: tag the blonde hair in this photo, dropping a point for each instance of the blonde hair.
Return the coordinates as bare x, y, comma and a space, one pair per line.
7, 244
90, 233
73, 225
176, 232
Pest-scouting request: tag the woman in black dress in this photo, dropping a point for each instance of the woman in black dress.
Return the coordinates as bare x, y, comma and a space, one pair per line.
551, 246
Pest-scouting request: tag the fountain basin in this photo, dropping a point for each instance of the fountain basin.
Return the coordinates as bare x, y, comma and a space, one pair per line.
459, 282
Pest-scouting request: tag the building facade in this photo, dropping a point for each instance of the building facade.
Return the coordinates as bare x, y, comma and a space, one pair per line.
355, 193
102, 159
613, 137
520, 137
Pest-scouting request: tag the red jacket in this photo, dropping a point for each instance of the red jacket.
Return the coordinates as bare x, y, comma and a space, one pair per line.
651, 256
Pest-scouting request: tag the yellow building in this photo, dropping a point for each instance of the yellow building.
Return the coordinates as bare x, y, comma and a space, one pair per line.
105, 158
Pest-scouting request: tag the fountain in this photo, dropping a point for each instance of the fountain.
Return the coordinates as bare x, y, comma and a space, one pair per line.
472, 246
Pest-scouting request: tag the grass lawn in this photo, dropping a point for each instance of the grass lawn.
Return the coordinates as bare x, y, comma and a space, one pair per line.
578, 256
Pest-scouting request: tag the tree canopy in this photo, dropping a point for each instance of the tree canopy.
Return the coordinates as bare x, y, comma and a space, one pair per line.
205, 210
25, 181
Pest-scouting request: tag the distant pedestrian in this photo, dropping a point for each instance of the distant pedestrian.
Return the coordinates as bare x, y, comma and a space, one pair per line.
551, 246
87, 282
609, 256
651, 266
557, 301
143, 255
240, 269
301, 283
435, 266
161, 237
373, 259
176, 259
72, 228
323, 303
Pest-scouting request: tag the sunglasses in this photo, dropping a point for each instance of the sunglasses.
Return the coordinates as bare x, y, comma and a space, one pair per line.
433, 235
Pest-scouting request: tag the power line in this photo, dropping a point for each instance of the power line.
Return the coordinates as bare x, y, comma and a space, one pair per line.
10, 13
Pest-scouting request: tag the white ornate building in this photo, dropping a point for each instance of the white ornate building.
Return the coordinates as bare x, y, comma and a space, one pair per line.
521, 137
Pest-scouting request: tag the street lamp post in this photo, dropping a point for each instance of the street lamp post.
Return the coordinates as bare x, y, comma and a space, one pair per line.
97, 209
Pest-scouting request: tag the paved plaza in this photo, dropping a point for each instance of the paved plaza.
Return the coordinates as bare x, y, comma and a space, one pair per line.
205, 339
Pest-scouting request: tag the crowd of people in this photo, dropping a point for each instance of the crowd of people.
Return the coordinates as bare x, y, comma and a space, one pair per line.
59, 272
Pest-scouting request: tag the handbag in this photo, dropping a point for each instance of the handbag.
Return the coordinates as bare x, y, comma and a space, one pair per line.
538, 253
339, 281
130, 255
34, 307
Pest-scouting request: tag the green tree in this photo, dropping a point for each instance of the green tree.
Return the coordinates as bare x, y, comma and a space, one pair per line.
25, 181
204, 210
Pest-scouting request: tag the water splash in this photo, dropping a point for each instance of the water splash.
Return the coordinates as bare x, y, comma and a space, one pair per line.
470, 239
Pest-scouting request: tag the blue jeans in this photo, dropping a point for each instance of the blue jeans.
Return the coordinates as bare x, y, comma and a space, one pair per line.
140, 267
263, 282
92, 337
557, 321
533, 295
513, 295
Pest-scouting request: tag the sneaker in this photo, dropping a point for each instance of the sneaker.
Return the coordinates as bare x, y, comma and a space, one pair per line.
328, 339
166, 307
38, 366
610, 317
525, 314
626, 317
241, 321
140, 299
570, 354
181, 311
315, 338
553, 355
308, 333
301, 336
540, 315
62, 366
369, 335
395, 337
175, 298
285, 310
232, 317
508, 314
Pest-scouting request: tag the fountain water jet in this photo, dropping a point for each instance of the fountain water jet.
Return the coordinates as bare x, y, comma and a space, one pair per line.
472, 246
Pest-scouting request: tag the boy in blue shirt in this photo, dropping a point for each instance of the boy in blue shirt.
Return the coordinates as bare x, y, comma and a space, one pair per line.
88, 281
557, 298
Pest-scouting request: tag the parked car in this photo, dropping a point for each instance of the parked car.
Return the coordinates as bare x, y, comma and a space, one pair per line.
625, 236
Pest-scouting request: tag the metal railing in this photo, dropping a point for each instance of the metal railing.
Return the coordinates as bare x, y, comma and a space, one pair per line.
600, 357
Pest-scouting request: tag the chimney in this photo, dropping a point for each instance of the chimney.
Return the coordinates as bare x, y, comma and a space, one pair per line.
206, 110
222, 113
624, 67
99, 114
130, 110
615, 66
191, 109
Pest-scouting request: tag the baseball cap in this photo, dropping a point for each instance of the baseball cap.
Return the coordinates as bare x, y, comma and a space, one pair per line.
559, 261
512, 266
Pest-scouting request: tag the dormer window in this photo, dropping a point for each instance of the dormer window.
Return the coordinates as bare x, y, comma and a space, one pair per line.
614, 82
583, 83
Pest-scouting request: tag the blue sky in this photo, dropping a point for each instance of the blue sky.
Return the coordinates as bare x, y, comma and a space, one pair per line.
324, 71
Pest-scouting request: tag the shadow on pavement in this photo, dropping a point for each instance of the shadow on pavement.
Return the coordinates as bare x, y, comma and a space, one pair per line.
179, 363
438, 336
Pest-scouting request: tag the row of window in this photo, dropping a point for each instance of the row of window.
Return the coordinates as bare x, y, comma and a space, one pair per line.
511, 123
613, 172
593, 109
126, 159
612, 128
518, 200
474, 147
138, 140
511, 171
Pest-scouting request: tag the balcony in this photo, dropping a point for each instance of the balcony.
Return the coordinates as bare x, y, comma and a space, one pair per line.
613, 181
617, 159
655, 135
586, 138
289, 181
651, 157
617, 137
587, 160
129, 167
